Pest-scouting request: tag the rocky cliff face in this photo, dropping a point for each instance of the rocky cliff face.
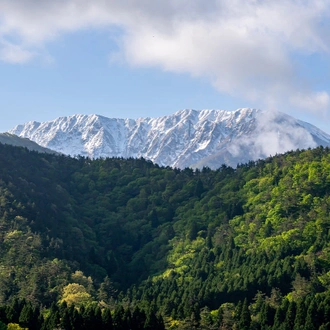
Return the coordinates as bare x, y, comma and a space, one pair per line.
186, 138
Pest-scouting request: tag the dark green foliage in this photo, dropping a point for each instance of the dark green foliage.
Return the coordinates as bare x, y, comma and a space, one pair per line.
290, 316
138, 319
106, 320
118, 320
312, 320
299, 321
29, 317
77, 321
159, 245
52, 321
65, 321
244, 317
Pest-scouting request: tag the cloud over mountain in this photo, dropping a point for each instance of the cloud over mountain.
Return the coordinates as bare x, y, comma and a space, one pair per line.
188, 138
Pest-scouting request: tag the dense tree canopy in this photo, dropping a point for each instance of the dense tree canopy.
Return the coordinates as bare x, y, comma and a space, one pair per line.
127, 244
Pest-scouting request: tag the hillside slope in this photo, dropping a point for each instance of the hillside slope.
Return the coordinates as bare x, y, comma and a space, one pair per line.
204, 249
14, 140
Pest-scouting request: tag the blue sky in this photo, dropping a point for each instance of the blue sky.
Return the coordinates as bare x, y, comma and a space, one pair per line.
133, 59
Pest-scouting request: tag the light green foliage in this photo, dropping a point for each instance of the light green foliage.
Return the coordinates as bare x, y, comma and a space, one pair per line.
15, 326
75, 294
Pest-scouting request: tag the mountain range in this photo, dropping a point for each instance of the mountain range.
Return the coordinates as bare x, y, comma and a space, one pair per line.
187, 138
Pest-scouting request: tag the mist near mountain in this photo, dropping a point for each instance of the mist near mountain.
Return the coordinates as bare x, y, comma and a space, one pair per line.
187, 138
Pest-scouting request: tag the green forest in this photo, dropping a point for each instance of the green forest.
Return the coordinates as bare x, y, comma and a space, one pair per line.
126, 244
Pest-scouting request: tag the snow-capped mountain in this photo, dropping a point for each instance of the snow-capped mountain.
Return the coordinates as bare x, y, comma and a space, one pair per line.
188, 138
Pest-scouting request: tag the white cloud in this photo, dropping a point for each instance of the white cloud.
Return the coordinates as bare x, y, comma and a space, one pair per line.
14, 54
246, 48
275, 133
315, 102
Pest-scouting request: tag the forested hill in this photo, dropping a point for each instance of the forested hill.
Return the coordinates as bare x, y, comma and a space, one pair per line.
126, 244
14, 140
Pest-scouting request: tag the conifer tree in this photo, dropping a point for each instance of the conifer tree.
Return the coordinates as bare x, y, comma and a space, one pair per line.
312, 321
280, 314
118, 318
138, 319
29, 317
77, 320
65, 322
299, 321
107, 320
26, 315
52, 321
290, 316
97, 317
245, 317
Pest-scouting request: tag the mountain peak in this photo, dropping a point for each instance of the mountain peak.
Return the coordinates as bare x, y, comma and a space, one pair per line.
186, 138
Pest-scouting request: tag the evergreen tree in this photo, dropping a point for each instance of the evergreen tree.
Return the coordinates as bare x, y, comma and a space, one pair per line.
77, 320
199, 189
106, 290
245, 317
52, 321
312, 321
98, 318
14, 310
65, 321
152, 322
266, 316
299, 322
290, 316
138, 319
118, 318
26, 315
29, 317
280, 314
107, 319
88, 317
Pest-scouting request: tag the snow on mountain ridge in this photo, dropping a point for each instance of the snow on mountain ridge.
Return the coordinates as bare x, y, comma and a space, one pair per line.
186, 138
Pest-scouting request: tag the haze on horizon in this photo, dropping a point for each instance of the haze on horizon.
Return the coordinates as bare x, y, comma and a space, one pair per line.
132, 59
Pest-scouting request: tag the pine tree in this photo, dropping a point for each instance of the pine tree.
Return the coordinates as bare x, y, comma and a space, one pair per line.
14, 310
138, 319
65, 322
97, 318
63, 308
52, 321
266, 316
312, 322
26, 316
77, 320
152, 321
199, 189
127, 319
88, 317
280, 314
245, 317
290, 316
106, 290
107, 320
118, 316
299, 321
